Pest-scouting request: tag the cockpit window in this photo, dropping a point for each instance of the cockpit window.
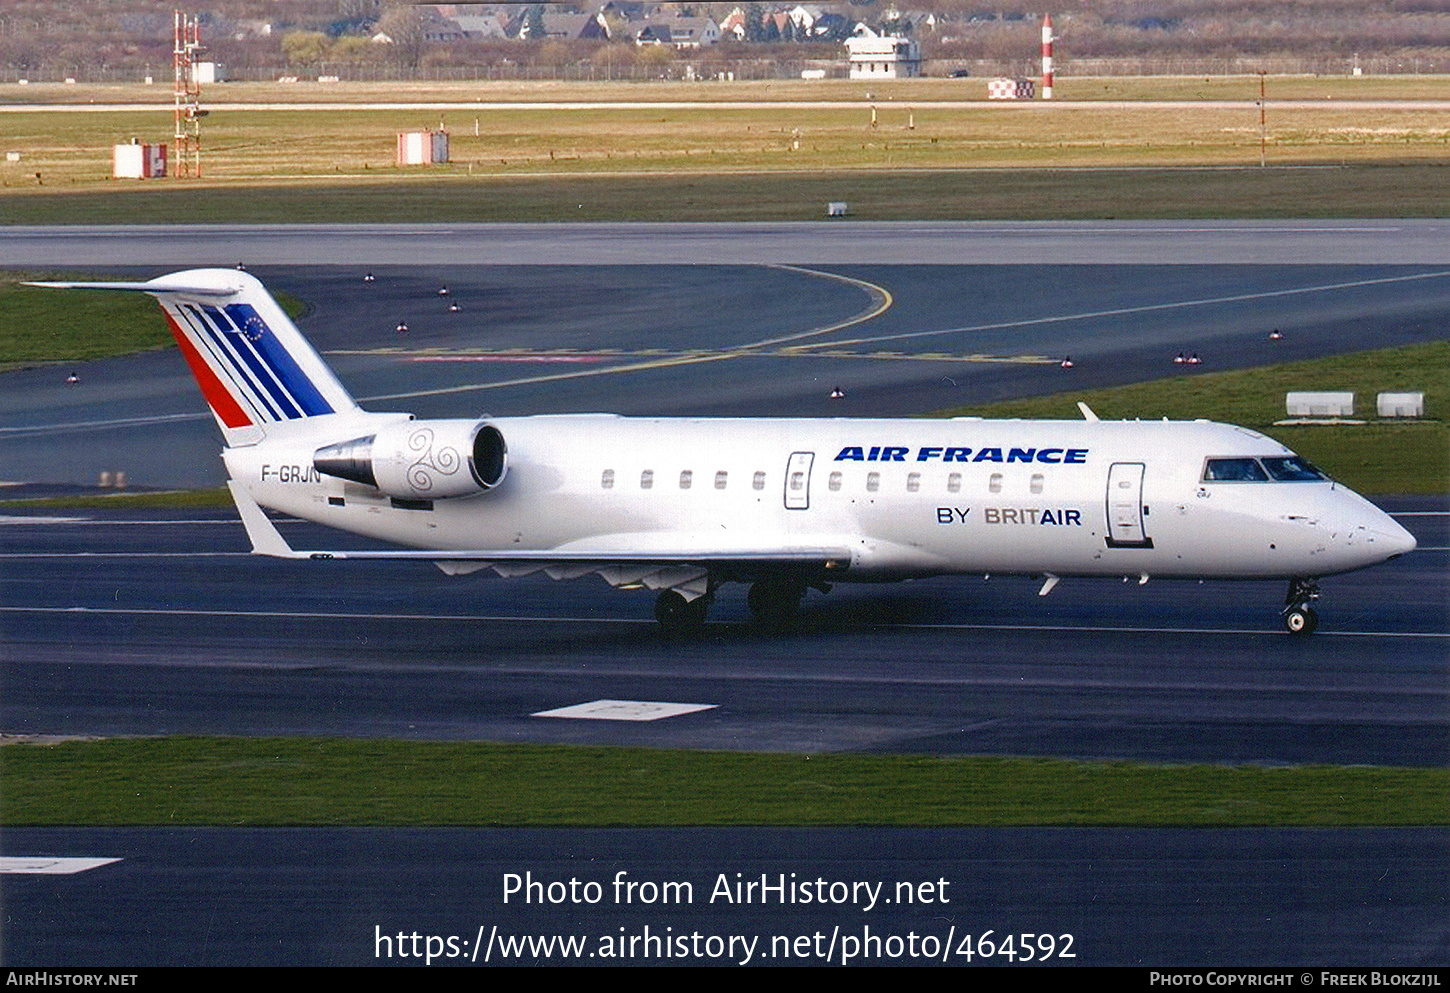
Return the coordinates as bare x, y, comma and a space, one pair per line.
1292, 470
1234, 471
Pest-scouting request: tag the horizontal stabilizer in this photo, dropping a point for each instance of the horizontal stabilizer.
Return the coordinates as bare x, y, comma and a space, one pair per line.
151, 287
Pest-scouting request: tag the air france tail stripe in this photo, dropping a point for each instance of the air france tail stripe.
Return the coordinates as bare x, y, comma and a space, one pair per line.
281, 361
221, 402
235, 377
242, 381
237, 342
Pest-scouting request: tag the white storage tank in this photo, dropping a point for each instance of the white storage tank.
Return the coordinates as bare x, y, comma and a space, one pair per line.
1319, 404
1400, 404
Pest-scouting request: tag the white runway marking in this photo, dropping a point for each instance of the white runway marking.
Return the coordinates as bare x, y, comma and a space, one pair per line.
625, 710
522, 619
45, 865
20, 432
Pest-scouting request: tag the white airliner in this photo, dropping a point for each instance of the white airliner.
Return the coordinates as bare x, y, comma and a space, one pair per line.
681, 505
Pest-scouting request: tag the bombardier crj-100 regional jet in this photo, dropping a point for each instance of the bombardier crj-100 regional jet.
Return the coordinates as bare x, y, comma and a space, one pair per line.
681, 505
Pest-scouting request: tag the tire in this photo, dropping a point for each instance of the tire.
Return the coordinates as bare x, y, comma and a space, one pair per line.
774, 603
678, 615
1301, 621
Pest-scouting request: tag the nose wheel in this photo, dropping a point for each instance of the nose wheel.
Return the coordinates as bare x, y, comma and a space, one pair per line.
1299, 615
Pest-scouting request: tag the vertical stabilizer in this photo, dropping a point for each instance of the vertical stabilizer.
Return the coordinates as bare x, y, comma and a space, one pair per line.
253, 366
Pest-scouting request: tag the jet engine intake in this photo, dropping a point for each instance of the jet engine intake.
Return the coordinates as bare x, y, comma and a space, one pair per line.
421, 459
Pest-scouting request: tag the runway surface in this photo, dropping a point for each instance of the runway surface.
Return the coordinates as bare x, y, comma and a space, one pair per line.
847, 242
1197, 897
134, 624
899, 340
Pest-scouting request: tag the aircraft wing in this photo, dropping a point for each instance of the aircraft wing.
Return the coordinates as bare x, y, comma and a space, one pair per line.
266, 540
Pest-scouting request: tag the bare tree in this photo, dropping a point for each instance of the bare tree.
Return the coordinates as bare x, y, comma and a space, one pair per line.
404, 24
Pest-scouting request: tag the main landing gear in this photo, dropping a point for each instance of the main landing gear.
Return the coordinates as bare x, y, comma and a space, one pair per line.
1299, 616
680, 616
775, 602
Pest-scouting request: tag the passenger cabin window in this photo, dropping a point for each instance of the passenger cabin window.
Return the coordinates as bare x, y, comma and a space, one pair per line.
721, 478
873, 482
994, 483
686, 477
954, 483
607, 480
646, 479
913, 482
834, 482
759, 481
1234, 471
1036, 482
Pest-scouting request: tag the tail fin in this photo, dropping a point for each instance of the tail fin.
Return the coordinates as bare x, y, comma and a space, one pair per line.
253, 366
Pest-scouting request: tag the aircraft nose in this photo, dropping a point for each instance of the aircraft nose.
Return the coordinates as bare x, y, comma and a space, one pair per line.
1385, 539
1367, 536
1394, 538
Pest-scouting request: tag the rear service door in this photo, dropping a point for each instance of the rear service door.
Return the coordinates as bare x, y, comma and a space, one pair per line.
798, 481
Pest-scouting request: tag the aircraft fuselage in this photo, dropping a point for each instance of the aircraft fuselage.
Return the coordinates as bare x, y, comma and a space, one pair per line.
903, 497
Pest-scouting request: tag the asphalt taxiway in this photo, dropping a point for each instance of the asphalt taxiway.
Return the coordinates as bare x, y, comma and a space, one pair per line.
1074, 897
698, 340
129, 623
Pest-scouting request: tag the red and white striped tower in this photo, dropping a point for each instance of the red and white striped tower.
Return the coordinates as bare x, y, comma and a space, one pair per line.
1047, 57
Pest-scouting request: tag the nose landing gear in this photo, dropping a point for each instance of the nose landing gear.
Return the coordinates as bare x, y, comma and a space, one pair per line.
1299, 615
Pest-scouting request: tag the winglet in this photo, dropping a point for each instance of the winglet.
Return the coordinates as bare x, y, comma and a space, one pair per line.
266, 540
1087, 412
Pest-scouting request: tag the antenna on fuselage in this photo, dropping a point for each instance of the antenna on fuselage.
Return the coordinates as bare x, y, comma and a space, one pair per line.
1087, 412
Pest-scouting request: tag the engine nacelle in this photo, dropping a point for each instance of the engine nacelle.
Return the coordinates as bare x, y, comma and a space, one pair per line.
421, 460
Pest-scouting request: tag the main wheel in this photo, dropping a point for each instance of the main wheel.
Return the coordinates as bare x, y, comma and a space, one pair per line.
1300, 620
775, 602
678, 615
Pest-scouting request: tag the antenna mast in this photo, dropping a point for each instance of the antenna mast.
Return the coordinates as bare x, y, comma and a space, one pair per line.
187, 34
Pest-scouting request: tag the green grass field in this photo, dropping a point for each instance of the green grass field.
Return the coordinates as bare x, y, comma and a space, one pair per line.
1416, 190
303, 781
909, 150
